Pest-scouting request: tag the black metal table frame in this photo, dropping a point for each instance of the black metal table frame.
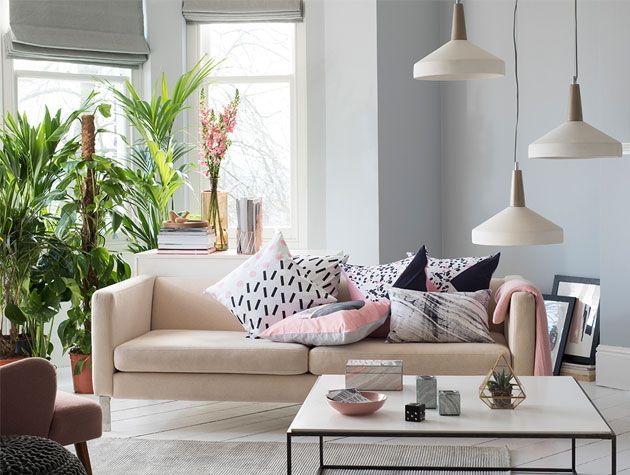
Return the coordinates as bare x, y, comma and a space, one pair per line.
464, 435
471, 435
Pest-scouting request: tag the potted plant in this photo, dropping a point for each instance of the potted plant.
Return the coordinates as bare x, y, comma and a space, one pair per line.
32, 160
500, 386
95, 192
156, 157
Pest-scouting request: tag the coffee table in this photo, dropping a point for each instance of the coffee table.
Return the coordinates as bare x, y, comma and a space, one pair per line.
555, 408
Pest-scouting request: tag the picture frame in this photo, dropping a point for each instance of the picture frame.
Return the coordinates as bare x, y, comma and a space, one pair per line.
583, 336
559, 317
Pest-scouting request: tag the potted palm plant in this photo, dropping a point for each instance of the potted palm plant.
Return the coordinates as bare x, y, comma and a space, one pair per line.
32, 160
157, 167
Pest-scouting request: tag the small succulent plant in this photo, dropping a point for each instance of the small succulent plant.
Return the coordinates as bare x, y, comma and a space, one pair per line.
501, 380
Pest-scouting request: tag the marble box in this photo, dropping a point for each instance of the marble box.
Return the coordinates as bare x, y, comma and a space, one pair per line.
374, 375
449, 403
426, 391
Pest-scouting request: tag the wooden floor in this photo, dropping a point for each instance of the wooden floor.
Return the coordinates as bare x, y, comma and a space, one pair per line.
233, 421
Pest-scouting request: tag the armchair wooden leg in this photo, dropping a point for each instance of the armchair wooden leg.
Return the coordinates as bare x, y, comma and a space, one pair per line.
82, 452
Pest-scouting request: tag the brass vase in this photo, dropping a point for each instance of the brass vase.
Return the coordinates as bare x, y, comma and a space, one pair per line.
214, 210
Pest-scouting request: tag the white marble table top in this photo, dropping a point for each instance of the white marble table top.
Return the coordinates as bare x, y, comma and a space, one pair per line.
555, 406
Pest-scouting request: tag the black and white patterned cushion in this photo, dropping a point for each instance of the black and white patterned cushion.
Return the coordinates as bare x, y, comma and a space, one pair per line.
461, 274
439, 317
374, 282
324, 271
267, 287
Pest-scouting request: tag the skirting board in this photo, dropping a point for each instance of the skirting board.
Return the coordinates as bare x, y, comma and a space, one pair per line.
613, 367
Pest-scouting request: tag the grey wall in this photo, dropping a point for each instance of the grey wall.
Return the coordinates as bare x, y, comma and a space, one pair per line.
587, 198
408, 130
610, 36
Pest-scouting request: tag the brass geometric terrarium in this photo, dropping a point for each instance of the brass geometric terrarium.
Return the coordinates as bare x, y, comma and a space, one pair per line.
501, 388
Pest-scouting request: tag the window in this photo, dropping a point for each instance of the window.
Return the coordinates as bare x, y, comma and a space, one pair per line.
65, 86
261, 60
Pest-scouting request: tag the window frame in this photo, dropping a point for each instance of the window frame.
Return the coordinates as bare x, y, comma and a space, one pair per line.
10, 79
295, 234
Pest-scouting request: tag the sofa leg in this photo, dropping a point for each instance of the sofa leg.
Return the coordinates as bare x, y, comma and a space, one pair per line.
82, 452
107, 413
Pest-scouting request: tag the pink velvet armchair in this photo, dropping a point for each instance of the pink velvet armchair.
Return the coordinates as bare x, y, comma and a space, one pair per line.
31, 405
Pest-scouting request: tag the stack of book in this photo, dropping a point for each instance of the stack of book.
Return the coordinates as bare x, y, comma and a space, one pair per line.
186, 241
578, 371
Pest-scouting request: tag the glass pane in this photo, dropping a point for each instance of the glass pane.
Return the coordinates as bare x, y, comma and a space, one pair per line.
69, 68
258, 164
34, 94
250, 49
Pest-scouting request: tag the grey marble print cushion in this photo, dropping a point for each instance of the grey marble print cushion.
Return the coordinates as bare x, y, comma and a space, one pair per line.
439, 317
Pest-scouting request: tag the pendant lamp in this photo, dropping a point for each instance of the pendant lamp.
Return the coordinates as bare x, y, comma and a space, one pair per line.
458, 59
517, 225
575, 138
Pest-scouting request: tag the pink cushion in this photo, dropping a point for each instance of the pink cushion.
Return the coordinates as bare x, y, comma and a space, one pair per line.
331, 324
355, 294
76, 419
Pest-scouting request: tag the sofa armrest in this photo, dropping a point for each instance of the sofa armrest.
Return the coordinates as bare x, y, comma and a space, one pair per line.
520, 332
120, 313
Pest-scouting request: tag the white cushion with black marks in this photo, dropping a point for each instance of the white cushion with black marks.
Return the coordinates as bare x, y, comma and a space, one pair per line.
374, 282
267, 287
324, 271
439, 317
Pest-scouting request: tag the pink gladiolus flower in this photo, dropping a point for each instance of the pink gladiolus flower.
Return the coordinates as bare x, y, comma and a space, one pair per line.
214, 129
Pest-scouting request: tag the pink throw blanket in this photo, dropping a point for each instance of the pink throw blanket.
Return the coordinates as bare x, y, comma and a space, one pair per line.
542, 358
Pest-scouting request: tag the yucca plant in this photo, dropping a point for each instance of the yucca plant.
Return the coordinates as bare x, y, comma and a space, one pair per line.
156, 169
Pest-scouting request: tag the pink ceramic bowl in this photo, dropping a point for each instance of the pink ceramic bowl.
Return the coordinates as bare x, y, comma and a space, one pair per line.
376, 401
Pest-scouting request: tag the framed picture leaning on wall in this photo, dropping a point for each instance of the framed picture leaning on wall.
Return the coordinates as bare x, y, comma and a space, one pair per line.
559, 316
583, 335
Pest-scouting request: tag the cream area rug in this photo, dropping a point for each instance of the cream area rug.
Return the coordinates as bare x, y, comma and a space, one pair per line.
113, 456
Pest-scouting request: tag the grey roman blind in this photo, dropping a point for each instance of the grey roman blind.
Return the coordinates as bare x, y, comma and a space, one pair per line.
218, 11
108, 32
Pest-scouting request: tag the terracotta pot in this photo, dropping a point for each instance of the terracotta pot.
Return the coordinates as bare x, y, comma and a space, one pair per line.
10, 359
83, 381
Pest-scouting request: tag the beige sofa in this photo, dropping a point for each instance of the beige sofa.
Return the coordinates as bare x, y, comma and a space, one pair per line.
162, 338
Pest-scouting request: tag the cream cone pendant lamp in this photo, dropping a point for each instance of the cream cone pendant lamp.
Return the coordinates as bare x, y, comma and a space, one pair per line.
517, 225
458, 59
575, 138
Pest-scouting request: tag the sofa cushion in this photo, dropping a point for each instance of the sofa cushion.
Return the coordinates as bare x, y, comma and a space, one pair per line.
418, 358
202, 351
373, 282
268, 287
439, 317
332, 324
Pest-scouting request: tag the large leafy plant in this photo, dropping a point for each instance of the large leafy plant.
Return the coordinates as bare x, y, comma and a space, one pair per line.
157, 170
32, 162
95, 193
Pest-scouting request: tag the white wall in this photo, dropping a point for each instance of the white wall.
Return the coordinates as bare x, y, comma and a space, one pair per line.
351, 128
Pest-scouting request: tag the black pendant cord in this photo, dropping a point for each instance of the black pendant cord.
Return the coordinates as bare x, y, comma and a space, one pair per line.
518, 99
575, 38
